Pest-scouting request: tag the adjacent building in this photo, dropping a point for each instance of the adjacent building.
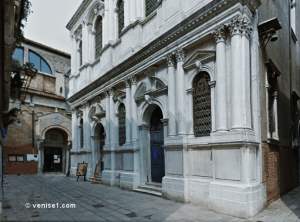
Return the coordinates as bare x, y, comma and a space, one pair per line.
40, 139
200, 98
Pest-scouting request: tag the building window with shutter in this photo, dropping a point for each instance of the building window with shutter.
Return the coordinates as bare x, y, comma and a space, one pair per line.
202, 105
122, 124
98, 35
120, 16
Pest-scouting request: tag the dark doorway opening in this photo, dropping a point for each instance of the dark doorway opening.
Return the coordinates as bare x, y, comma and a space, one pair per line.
102, 144
53, 159
156, 142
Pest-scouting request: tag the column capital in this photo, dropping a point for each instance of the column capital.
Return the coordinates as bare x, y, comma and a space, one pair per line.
275, 95
86, 104
127, 82
111, 91
212, 84
133, 80
235, 26
246, 28
72, 37
220, 33
170, 59
106, 93
180, 54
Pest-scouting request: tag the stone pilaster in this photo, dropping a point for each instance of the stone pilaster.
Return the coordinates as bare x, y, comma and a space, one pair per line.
128, 111
181, 93
220, 35
171, 94
134, 125
107, 117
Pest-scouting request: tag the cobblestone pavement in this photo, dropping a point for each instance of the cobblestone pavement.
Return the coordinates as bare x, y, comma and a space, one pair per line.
104, 203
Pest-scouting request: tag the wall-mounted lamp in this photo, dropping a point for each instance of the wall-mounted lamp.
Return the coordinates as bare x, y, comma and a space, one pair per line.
267, 30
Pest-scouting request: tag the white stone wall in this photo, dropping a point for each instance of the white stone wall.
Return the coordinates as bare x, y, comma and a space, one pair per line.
221, 171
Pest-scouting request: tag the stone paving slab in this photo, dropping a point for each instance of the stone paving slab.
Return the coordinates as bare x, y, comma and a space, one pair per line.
104, 203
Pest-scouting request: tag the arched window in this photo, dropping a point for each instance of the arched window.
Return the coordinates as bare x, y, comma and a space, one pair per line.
39, 63
151, 6
122, 126
202, 104
81, 133
98, 36
120, 15
80, 52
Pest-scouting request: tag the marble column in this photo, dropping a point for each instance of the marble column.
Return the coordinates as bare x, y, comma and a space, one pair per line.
221, 79
74, 130
132, 10
107, 117
113, 138
171, 94
212, 85
181, 92
237, 79
246, 34
128, 111
134, 126
87, 128
126, 12
190, 112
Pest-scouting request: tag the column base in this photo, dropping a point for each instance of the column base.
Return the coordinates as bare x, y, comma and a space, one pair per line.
129, 180
175, 188
239, 200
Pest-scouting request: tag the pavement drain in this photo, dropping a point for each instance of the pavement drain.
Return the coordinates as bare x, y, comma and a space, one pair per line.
131, 215
98, 205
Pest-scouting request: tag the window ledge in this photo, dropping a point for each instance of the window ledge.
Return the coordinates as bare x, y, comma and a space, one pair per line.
293, 35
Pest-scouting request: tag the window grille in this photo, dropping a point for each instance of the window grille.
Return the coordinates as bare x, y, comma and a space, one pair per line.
121, 16
202, 105
98, 35
80, 52
122, 124
81, 133
151, 6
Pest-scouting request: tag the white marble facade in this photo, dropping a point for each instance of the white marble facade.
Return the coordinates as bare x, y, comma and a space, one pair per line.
153, 63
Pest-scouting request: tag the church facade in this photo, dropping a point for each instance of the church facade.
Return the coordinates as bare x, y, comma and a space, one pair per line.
173, 92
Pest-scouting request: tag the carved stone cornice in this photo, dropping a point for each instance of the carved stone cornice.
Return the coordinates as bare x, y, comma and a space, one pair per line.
170, 60
180, 55
220, 33
133, 80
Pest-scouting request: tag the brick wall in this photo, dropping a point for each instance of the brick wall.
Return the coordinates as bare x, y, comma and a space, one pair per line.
19, 167
280, 170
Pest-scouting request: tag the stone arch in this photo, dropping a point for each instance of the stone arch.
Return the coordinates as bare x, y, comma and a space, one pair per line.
147, 109
91, 15
95, 125
69, 135
197, 71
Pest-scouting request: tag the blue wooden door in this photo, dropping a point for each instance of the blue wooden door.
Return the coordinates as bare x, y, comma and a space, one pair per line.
156, 142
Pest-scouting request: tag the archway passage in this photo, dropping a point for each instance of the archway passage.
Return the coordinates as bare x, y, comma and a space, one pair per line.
156, 142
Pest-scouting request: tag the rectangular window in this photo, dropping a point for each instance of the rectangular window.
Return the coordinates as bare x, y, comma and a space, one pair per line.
16, 158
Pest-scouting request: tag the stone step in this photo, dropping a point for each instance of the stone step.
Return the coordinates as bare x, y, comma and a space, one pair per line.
151, 188
154, 184
154, 193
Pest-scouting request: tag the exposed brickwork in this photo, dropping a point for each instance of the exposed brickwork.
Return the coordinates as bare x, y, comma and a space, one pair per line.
20, 167
280, 170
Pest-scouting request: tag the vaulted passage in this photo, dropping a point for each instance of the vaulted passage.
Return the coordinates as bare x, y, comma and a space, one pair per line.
157, 140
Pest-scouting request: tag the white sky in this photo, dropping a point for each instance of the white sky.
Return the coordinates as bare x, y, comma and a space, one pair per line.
47, 23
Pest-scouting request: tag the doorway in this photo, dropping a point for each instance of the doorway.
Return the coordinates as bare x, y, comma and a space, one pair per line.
53, 159
156, 142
